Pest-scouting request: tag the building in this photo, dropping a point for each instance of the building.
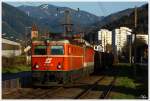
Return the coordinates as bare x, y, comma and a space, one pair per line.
34, 32
44, 36
10, 48
104, 38
119, 38
98, 48
143, 37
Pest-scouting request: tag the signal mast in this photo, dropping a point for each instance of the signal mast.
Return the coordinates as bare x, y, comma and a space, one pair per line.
67, 22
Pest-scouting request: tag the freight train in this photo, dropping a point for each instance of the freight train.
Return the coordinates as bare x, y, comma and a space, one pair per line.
59, 62
103, 61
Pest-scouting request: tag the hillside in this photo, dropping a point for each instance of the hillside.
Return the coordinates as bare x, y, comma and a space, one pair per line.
128, 21
53, 16
46, 17
122, 18
109, 19
49, 18
14, 21
116, 16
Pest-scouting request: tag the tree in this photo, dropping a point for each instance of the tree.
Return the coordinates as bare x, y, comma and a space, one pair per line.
141, 49
109, 47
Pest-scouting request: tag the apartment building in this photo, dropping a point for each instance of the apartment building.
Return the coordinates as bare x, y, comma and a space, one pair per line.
105, 38
119, 38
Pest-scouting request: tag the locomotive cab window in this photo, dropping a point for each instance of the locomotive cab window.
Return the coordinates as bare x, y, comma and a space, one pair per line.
40, 50
57, 50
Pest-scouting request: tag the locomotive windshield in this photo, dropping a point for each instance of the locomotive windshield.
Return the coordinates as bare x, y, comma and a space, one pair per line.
57, 50
40, 50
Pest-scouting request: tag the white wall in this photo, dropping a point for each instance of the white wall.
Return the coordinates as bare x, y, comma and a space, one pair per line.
143, 36
11, 53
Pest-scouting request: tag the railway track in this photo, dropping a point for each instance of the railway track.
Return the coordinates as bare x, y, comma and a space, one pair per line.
86, 91
37, 93
66, 92
49, 93
104, 93
32, 93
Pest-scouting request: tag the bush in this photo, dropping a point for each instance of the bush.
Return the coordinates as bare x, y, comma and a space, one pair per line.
16, 69
14, 64
11, 61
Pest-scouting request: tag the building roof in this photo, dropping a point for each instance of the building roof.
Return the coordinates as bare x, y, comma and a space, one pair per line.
10, 42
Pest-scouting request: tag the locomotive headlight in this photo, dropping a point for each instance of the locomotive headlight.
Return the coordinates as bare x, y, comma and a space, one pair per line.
59, 66
37, 66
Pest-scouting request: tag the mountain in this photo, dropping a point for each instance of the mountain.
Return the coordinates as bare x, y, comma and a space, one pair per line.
122, 18
111, 18
14, 22
128, 21
53, 16
115, 16
46, 17
50, 18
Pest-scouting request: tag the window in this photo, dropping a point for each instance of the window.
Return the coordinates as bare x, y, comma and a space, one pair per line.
57, 50
40, 50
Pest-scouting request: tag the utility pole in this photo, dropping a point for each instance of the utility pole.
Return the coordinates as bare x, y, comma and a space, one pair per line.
135, 25
130, 49
104, 42
27, 42
27, 36
81, 32
79, 27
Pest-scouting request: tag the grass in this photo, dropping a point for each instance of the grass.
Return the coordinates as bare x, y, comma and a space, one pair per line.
14, 64
16, 69
124, 89
123, 64
127, 85
122, 96
125, 82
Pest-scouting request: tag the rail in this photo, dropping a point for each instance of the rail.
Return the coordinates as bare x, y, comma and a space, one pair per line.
106, 93
85, 92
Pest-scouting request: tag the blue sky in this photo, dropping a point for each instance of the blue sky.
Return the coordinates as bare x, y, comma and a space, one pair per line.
97, 8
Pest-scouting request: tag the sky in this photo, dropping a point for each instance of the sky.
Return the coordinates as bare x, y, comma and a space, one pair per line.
97, 8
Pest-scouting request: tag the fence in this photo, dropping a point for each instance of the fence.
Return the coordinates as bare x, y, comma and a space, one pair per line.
13, 82
10, 85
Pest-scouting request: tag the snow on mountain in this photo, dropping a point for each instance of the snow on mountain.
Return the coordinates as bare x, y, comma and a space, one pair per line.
44, 6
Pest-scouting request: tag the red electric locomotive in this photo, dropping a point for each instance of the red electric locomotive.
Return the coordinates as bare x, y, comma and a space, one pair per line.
61, 61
